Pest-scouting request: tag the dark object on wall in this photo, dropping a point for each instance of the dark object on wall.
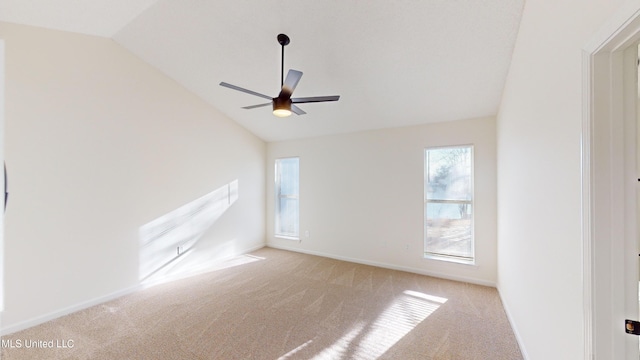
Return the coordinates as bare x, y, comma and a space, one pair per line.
6, 193
283, 104
632, 327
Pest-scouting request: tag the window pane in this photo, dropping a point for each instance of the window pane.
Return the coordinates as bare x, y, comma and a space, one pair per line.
289, 184
287, 204
288, 217
448, 173
449, 202
448, 228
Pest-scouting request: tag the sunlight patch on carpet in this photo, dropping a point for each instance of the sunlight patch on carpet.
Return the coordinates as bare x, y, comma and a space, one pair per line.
340, 348
291, 353
372, 340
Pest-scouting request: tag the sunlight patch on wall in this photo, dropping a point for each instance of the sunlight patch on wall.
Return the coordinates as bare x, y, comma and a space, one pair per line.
192, 263
166, 239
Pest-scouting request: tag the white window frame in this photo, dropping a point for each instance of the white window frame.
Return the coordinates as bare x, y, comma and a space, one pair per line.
442, 256
279, 195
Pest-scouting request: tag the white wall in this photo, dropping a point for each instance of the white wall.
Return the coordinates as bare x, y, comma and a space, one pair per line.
98, 144
539, 194
361, 196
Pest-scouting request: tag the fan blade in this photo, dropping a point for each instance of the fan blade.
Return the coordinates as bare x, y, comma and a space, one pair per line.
296, 110
315, 99
245, 90
290, 83
255, 106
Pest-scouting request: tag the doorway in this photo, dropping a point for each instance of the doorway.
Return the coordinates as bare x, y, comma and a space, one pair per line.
2, 178
609, 187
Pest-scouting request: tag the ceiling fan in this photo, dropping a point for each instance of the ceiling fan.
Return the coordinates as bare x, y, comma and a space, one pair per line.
284, 104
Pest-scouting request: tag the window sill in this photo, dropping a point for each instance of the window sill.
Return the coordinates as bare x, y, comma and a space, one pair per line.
450, 259
285, 237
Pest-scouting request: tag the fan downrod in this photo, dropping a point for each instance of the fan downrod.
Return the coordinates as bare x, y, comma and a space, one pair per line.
283, 39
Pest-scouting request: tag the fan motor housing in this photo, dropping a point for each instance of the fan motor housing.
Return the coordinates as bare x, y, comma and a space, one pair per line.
283, 39
282, 103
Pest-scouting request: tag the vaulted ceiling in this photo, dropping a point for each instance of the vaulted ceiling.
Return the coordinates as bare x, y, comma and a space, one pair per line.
394, 63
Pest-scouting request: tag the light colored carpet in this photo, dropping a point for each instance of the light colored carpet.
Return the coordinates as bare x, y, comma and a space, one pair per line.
274, 304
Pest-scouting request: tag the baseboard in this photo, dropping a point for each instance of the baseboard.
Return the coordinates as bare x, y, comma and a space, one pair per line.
513, 326
93, 302
387, 266
66, 311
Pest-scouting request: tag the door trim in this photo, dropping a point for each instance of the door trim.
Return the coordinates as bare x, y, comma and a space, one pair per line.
607, 115
2, 179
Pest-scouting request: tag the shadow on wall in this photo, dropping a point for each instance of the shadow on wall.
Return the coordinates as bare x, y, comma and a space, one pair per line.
168, 240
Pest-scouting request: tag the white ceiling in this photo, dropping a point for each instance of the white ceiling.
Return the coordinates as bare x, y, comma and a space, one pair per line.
92, 17
394, 63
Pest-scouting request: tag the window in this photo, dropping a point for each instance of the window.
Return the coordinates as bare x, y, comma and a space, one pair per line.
287, 202
448, 203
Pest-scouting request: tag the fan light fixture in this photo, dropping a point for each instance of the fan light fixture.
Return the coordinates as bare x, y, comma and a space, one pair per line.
281, 112
281, 107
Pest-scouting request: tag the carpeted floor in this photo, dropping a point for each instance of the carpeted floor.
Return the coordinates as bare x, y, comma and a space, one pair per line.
274, 304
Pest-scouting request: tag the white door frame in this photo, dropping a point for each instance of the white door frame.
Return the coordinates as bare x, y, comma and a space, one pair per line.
2, 111
610, 248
